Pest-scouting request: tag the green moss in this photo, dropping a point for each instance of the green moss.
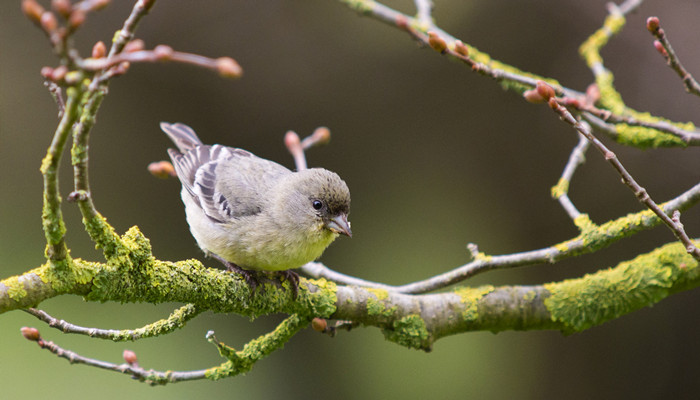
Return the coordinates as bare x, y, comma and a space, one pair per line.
361, 6
376, 306
240, 362
470, 299
583, 222
321, 302
610, 99
643, 138
581, 303
15, 289
560, 189
590, 49
409, 331
611, 231
563, 246
380, 294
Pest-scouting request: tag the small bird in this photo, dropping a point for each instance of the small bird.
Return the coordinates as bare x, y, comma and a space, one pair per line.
253, 214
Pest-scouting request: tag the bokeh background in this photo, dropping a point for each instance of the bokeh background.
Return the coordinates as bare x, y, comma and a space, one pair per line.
435, 156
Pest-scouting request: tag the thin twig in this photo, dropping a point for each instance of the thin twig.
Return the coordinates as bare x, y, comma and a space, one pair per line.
663, 46
296, 147
176, 320
638, 190
561, 190
57, 95
150, 376
689, 137
226, 66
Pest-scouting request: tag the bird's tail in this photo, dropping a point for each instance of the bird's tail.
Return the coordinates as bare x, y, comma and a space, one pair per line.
182, 135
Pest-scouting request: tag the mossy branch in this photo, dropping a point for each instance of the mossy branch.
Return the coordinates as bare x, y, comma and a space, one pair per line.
414, 321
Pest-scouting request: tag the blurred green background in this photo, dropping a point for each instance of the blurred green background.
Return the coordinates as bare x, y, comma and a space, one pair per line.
435, 157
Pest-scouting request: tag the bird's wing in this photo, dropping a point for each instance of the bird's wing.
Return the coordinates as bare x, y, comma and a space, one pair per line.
226, 182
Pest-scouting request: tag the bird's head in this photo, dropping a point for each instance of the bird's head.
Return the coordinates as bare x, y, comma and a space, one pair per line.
316, 201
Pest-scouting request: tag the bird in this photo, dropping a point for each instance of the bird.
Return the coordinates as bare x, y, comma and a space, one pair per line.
254, 215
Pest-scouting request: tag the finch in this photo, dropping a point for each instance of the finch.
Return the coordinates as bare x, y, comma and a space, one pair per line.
253, 214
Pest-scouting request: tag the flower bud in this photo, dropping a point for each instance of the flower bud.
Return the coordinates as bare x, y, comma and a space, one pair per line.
653, 24
32, 10
46, 72
228, 68
532, 96
48, 21
461, 48
63, 7
30, 333
321, 135
436, 42
130, 357
134, 45
147, 4
161, 169
77, 17
544, 90
163, 52
660, 48
319, 324
291, 140
59, 73
99, 50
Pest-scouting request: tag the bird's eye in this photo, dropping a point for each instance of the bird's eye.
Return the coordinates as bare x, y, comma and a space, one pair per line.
317, 204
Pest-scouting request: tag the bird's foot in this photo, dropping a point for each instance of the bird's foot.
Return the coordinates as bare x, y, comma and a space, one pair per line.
252, 278
293, 279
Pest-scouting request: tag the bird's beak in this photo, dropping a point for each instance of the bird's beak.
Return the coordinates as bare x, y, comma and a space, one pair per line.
339, 224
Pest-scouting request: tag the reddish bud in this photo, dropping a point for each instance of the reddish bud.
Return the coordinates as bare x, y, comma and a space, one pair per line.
147, 4
99, 4
402, 22
99, 50
461, 48
32, 10
77, 17
46, 72
228, 68
130, 357
653, 24
660, 48
553, 104
163, 52
59, 73
134, 45
319, 324
571, 102
63, 7
532, 96
544, 90
121, 68
592, 93
48, 21
436, 42
291, 140
321, 135
30, 333
161, 169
